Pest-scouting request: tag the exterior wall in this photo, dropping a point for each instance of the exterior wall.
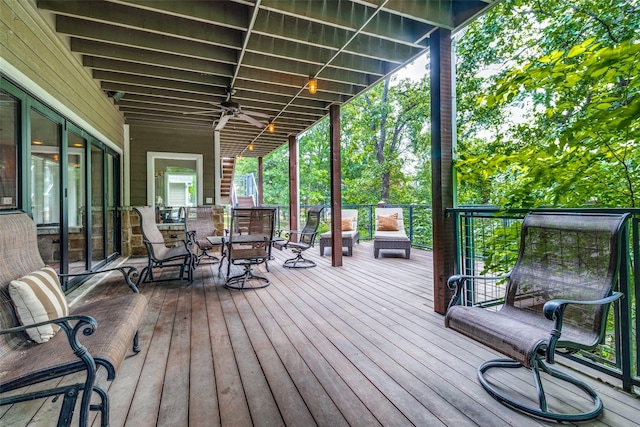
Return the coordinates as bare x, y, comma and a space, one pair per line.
145, 139
34, 57
132, 236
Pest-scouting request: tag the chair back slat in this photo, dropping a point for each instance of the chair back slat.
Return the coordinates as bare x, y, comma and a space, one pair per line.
563, 256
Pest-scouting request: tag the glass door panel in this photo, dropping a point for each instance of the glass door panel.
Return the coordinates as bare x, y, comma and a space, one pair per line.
112, 204
76, 205
45, 186
97, 206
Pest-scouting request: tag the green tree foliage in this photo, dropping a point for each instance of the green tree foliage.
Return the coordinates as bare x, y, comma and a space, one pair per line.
578, 91
386, 143
385, 147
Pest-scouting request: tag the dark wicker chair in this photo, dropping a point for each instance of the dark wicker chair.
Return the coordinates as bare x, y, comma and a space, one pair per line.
249, 245
557, 298
305, 240
159, 254
199, 225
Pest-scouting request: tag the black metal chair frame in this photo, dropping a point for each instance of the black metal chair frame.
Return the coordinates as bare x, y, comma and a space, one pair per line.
305, 240
534, 301
242, 251
161, 256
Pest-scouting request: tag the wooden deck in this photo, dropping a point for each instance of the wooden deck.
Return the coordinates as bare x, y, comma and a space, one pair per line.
358, 345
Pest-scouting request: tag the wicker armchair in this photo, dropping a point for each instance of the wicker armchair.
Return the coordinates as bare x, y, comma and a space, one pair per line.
556, 297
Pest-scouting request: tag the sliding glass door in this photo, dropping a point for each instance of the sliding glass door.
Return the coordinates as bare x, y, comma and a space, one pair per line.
67, 180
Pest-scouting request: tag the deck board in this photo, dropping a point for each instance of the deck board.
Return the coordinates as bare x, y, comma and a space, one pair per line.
357, 345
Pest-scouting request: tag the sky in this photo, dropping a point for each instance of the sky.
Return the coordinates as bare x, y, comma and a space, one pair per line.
414, 70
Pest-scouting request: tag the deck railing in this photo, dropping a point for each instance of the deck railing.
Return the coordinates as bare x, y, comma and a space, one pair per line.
487, 243
417, 221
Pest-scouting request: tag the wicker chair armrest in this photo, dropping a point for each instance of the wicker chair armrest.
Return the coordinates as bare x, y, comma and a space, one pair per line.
554, 310
455, 282
129, 273
85, 323
62, 322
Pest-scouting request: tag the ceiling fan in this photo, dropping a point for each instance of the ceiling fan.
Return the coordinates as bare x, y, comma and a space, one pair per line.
232, 110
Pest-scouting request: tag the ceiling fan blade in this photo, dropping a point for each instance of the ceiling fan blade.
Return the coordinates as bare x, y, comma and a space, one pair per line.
251, 120
255, 113
200, 112
223, 121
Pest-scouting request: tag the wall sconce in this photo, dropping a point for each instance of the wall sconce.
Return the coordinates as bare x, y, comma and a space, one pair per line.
250, 146
312, 85
271, 127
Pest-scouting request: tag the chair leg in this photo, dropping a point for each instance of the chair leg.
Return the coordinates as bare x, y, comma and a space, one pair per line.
240, 281
298, 262
103, 407
543, 411
136, 342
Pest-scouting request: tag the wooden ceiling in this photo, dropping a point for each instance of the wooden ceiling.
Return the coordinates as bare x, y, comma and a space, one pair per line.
171, 63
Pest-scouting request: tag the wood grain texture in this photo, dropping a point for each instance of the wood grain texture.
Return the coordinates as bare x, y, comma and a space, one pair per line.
358, 345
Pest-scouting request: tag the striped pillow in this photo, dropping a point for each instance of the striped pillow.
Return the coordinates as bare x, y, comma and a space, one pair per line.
38, 297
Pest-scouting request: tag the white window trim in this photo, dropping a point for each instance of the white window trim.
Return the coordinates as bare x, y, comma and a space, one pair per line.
151, 158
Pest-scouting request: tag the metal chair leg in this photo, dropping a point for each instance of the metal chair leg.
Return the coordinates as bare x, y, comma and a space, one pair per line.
543, 411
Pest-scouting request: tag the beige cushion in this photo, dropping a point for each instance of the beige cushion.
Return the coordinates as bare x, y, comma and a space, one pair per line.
347, 224
388, 222
38, 297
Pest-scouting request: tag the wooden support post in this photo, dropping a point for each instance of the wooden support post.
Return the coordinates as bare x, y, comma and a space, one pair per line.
336, 190
217, 171
294, 186
260, 200
442, 170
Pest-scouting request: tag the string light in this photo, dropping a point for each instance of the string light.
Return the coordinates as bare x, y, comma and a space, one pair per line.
271, 127
313, 85
251, 146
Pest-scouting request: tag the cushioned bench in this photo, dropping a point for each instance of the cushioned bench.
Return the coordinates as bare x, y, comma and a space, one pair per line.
92, 339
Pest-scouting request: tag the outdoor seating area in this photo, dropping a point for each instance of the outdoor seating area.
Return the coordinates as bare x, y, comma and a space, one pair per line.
320, 346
